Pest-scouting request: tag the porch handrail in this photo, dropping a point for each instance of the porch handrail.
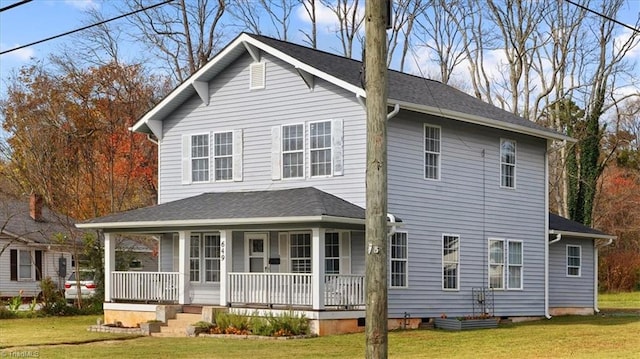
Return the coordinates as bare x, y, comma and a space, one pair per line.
344, 290
270, 288
145, 286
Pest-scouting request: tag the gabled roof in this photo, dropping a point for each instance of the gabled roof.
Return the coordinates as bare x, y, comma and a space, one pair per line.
16, 221
408, 91
567, 227
298, 205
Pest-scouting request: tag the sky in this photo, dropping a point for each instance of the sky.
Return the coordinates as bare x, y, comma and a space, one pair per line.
40, 19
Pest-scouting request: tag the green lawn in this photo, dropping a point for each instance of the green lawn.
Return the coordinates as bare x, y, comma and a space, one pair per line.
583, 337
619, 300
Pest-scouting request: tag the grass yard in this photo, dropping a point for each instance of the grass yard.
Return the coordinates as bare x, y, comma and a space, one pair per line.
583, 337
619, 300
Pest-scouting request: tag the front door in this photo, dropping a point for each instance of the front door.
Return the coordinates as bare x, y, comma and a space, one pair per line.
256, 252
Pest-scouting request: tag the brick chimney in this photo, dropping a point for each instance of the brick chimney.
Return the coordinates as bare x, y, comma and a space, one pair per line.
35, 207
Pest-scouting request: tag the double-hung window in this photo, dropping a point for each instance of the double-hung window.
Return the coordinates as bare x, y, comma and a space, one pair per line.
505, 264
204, 257
320, 148
293, 151
200, 158
399, 259
223, 156
507, 163
25, 265
574, 259
213, 156
332, 253
431, 152
300, 251
450, 261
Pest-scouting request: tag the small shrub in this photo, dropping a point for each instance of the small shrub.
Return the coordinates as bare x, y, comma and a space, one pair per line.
5, 313
288, 324
230, 323
15, 303
261, 326
202, 327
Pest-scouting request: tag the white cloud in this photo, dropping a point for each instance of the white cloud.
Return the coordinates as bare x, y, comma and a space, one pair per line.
325, 17
22, 55
82, 4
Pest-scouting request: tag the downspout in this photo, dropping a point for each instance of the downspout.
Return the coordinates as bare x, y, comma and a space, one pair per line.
546, 275
595, 274
546, 234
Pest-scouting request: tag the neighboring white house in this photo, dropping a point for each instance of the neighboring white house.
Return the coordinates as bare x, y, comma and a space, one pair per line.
262, 189
28, 246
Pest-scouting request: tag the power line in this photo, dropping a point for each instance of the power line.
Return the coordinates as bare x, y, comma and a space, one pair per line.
604, 16
14, 5
84, 28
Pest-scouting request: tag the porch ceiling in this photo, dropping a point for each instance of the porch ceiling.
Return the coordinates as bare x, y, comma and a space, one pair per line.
289, 206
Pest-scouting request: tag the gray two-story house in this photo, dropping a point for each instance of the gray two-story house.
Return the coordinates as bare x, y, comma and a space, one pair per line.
262, 194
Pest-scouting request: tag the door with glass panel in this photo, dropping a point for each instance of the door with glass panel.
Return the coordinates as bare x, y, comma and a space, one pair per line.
256, 252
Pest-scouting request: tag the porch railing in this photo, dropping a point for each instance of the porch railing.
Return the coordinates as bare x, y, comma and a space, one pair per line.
145, 286
270, 288
344, 290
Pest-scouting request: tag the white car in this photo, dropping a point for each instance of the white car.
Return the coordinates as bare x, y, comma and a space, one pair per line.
87, 285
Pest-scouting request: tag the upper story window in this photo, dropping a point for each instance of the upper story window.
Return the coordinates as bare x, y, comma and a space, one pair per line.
320, 148
223, 156
574, 259
399, 259
321, 145
199, 158
431, 152
293, 151
507, 163
450, 261
505, 264
212, 157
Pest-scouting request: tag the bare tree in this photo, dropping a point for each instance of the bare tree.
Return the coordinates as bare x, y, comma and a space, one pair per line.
349, 17
404, 17
276, 12
311, 37
184, 34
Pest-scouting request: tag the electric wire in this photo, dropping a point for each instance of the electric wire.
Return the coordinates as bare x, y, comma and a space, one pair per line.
604, 16
15, 5
85, 27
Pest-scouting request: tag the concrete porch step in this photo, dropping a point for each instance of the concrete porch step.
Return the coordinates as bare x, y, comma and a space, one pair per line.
178, 327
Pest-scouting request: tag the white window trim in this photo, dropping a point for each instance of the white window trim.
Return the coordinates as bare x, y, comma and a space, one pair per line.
212, 161
406, 260
330, 148
32, 265
292, 258
567, 261
515, 163
203, 258
340, 254
191, 158
457, 288
202, 276
509, 265
303, 151
424, 152
503, 286
505, 263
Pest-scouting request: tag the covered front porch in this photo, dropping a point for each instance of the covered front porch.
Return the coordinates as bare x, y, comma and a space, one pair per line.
302, 269
298, 248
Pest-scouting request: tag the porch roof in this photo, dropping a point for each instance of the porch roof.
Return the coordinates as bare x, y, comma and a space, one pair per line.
287, 206
567, 227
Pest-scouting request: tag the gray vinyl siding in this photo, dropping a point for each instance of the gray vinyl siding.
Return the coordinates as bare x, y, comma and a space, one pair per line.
9, 288
357, 252
285, 100
571, 292
469, 202
166, 253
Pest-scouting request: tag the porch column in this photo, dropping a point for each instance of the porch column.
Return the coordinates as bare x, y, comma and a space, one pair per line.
317, 268
225, 265
183, 266
109, 264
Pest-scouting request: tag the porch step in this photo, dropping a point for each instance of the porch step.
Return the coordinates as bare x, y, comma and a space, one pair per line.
178, 327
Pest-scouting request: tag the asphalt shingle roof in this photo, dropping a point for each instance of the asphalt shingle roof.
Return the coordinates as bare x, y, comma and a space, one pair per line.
297, 202
402, 86
16, 221
559, 223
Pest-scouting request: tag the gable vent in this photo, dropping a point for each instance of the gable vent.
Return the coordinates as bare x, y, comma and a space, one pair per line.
257, 75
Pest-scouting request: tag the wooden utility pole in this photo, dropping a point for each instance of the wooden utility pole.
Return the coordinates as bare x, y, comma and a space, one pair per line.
376, 178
